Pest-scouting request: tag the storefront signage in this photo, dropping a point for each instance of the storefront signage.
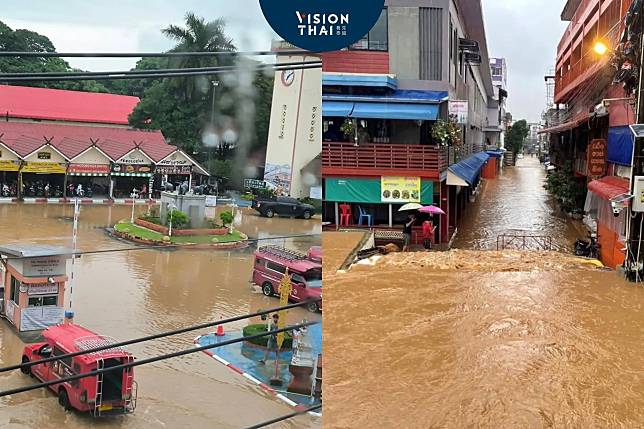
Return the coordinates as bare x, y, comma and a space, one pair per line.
43, 289
44, 267
89, 168
254, 184
44, 167
596, 158
458, 110
9, 165
44, 155
36, 318
175, 159
400, 189
135, 157
173, 169
120, 168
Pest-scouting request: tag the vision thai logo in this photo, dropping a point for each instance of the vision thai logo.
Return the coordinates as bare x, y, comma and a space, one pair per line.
322, 25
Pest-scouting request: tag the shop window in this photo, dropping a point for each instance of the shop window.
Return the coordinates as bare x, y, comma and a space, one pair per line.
15, 290
50, 300
377, 38
39, 301
275, 267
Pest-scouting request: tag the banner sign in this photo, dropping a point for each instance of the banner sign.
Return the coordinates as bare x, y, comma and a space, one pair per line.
211, 200
458, 110
37, 318
46, 266
596, 153
44, 167
89, 168
315, 193
173, 169
400, 189
322, 25
127, 168
43, 289
9, 165
254, 184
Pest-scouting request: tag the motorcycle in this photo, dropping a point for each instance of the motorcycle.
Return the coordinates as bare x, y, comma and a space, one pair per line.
587, 248
5, 191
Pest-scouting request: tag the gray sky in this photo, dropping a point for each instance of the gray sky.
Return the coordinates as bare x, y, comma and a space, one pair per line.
526, 33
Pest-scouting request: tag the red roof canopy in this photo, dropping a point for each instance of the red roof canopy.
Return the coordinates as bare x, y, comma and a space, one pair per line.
60, 105
609, 187
71, 140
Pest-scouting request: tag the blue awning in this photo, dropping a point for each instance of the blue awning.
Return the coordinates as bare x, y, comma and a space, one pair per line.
365, 80
399, 96
340, 109
620, 145
425, 112
495, 153
470, 168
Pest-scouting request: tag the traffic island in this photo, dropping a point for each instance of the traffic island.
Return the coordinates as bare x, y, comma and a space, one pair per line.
143, 232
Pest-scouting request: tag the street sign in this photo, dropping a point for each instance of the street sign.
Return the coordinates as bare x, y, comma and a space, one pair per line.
254, 184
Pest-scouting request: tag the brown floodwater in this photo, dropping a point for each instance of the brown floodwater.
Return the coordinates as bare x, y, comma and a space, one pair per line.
474, 338
140, 292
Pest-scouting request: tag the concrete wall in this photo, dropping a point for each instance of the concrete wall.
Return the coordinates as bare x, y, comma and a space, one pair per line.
403, 42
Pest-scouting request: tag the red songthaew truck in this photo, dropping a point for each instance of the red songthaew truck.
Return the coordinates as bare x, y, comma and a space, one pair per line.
109, 393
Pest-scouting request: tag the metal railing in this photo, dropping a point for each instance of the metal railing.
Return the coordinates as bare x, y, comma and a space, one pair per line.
523, 241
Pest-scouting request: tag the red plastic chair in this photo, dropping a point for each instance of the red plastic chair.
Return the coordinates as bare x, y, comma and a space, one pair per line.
345, 216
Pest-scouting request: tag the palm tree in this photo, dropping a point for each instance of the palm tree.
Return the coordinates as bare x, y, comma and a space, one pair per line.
199, 36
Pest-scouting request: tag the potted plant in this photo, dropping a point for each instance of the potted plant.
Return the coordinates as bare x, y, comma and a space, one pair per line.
446, 133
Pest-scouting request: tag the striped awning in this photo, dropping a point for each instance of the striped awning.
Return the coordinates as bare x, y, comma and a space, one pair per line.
133, 174
88, 174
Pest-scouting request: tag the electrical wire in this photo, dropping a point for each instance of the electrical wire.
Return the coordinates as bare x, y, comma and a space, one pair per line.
151, 360
132, 54
155, 336
151, 71
276, 67
169, 246
285, 417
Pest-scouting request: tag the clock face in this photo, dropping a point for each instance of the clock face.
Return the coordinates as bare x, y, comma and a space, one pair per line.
288, 77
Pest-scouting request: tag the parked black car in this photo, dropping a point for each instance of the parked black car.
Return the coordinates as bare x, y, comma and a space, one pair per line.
283, 206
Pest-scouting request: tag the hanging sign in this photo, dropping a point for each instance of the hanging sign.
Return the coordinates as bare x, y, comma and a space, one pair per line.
596, 153
45, 167
458, 110
400, 189
44, 155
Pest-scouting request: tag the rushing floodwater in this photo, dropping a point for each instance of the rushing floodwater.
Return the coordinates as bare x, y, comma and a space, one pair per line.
473, 338
135, 293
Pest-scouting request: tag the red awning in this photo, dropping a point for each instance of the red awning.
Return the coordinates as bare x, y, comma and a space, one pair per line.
609, 187
566, 126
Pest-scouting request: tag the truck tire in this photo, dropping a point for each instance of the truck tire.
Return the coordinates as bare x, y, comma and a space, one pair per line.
312, 307
25, 369
269, 213
63, 399
306, 214
267, 289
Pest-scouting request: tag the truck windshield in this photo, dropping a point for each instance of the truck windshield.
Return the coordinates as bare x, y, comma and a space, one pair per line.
313, 276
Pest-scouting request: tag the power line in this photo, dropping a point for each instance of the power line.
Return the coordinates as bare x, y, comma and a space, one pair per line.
41, 78
151, 360
169, 246
154, 336
131, 54
285, 417
151, 71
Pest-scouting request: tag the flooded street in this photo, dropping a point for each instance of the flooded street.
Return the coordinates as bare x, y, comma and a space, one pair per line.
473, 338
140, 292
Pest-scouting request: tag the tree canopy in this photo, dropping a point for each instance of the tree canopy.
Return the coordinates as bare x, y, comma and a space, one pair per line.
516, 135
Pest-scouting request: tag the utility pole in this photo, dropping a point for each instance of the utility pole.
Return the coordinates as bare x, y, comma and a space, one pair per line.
215, 84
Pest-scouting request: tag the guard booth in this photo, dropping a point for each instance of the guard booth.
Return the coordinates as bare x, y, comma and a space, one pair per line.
32, 285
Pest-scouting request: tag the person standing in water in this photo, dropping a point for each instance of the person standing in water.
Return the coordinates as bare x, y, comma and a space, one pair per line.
407, 231
271, 345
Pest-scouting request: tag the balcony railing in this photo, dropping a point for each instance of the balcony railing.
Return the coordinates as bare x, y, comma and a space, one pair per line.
374, 159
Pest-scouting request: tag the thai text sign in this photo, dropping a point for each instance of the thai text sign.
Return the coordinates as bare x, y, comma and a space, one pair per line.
400, 189
43, 289
36, 318
597, 158
44, 167
458, 111
44, 267
254, 184
9, 165
89, 168
173, 169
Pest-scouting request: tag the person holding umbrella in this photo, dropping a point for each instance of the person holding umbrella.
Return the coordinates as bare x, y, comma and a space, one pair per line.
407, 230
428, 234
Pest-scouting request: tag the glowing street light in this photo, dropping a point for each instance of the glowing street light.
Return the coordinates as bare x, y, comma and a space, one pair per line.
600, 48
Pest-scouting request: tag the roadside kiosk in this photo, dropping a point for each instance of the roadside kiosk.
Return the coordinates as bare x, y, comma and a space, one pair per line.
32, 282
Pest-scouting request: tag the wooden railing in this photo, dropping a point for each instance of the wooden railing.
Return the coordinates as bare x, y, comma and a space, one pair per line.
383, 157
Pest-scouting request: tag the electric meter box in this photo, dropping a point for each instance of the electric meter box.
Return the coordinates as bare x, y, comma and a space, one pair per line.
638, 192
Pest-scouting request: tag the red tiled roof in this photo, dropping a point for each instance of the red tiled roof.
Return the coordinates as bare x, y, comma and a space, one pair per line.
71, 140
60, 105
609, 187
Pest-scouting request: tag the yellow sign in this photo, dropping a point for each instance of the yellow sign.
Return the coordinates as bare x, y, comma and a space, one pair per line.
44, 167
400, 189
285, 292
9, 165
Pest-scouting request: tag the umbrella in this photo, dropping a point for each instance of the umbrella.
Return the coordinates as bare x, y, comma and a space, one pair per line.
432, 210
410, 207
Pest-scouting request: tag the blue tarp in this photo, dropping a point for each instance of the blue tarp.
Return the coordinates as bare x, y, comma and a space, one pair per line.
620, 145
470, 168
495, 153
405, 111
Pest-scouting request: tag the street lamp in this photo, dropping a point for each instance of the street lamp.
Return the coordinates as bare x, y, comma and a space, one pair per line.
172, 207
600, 48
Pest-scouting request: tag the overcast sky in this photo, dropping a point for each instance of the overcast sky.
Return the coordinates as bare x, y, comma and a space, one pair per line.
525, 33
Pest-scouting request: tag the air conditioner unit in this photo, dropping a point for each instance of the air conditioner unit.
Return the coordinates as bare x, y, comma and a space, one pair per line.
468, 45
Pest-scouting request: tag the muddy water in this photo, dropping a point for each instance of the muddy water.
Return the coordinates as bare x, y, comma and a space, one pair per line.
134, 293
515, 200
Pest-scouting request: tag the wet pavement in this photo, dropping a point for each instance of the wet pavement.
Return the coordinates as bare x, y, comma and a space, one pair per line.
140, 292
472, 338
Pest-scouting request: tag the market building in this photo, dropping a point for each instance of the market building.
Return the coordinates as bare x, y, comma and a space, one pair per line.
383, 97
588, 124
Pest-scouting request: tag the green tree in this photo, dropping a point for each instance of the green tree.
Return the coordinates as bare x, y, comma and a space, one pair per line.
516, 135
137, 87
